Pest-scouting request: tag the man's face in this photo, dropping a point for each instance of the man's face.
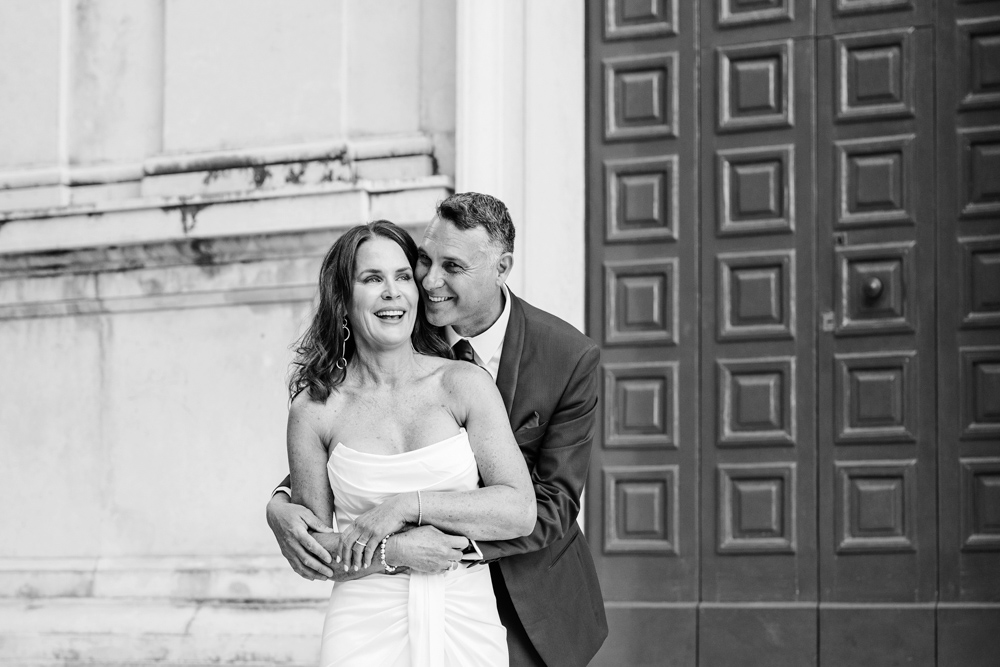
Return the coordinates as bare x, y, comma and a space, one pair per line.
460, 279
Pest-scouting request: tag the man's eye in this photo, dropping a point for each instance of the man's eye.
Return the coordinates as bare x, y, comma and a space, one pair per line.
423, 260
451, 267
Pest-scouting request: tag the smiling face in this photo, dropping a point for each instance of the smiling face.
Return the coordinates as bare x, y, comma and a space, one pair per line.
461, 273
384, 299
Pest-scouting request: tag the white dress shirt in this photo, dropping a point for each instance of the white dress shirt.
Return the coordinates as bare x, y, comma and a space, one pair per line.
488, 345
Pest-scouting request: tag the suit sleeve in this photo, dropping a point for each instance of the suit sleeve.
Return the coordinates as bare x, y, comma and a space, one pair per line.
560, 470
287, 483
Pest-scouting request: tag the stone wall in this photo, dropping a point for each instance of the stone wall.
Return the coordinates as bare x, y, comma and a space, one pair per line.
171, 175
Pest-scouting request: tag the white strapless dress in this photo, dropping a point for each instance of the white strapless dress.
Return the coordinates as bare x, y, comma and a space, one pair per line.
417, 619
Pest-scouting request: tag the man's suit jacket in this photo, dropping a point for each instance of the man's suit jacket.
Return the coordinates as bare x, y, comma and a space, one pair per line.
548, 381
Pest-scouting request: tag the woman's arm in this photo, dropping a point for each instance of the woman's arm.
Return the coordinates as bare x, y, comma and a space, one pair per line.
503, 509
506, 503
307, 458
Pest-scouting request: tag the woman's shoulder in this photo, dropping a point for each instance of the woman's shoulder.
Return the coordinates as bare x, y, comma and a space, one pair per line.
305, 406
456, 375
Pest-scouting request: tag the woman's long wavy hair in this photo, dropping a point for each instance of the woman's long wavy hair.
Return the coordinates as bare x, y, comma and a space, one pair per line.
318, 350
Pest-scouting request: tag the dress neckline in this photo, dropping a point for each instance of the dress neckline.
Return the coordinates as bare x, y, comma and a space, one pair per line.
341, 445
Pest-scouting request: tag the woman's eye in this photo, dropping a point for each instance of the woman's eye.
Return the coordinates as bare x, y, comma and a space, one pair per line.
405, 276
371, 279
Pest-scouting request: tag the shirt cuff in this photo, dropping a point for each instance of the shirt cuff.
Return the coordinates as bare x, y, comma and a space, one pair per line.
282, 489
472, 552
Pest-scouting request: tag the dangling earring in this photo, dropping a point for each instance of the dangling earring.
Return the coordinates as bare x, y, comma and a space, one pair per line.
342, 362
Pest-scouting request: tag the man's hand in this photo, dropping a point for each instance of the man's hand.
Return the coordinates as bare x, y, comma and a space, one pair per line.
291, 524
425, 549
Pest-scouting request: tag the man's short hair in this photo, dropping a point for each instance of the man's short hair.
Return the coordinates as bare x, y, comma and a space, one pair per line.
467, 210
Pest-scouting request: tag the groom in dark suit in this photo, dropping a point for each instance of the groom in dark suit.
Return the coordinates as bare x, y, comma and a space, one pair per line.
546, 586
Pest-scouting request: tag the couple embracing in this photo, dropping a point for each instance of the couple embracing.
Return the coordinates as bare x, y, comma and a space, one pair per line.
453, 488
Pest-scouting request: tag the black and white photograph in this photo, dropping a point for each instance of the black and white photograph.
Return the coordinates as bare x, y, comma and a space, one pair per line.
488, 333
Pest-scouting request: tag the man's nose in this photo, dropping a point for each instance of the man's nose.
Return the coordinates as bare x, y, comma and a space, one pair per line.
431, 279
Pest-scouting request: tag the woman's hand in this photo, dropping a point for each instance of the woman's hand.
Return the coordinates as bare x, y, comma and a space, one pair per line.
363, 537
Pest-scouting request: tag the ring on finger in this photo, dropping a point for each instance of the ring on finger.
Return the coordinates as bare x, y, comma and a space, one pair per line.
361, 544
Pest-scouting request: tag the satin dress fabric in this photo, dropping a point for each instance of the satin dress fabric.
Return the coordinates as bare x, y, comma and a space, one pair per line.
415, 619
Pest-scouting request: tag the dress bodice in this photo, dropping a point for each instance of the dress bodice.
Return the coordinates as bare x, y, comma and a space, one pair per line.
361, 480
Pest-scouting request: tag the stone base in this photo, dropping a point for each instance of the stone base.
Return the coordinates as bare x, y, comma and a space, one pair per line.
90, 631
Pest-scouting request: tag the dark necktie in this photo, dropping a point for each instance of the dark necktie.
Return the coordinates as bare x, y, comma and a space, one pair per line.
463, 350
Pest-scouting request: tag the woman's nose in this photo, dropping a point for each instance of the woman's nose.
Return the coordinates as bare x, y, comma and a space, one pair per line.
391, 291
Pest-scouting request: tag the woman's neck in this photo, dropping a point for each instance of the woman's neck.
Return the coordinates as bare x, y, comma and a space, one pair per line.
382, 368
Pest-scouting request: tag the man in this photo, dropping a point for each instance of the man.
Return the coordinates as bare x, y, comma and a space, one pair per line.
546, 586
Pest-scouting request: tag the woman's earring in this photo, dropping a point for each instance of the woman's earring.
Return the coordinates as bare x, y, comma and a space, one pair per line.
342, 362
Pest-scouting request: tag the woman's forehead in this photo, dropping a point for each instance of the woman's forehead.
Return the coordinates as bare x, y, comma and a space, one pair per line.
378, 253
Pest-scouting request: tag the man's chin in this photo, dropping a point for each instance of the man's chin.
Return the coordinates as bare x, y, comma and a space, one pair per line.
437, 319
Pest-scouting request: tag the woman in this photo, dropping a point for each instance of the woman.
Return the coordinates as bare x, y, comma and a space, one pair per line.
384, 433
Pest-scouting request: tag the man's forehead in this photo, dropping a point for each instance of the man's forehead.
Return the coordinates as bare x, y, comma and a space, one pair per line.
443, 237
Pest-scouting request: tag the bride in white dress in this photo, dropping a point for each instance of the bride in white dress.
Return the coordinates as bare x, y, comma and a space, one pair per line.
383, 434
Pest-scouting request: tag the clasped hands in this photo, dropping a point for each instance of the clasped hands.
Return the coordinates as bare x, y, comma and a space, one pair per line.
312, 548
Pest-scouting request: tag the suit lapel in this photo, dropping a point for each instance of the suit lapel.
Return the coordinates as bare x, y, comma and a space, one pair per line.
510, 356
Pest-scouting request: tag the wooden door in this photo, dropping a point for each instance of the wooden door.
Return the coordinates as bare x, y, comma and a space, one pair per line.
794, 274
643, 308
967, 58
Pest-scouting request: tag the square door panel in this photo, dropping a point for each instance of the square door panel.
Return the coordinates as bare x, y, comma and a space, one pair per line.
640, 97
980, 504
640, 505
980, 281
642, 199
738, 13
978, 44
755, 402
979, 376
755, 190
876, 506
756, 297
875, 75
876, 399
874, 182
756, 507
875, 289
754, 87
641, 302
633, 19
979, 191
640, 405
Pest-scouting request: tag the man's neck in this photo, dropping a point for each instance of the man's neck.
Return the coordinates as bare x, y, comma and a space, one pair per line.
495, 312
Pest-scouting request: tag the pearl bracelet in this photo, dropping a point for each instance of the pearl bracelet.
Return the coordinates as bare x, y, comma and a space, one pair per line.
381, 555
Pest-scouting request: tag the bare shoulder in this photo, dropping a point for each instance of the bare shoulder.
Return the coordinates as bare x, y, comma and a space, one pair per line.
317, 415
461, 377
